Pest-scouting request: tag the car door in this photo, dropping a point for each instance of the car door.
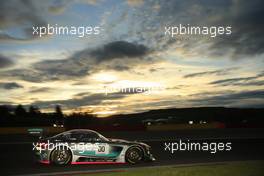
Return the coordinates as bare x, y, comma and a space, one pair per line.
101, 148
89, 144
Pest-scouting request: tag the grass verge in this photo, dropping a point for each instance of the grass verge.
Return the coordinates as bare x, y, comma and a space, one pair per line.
245, 168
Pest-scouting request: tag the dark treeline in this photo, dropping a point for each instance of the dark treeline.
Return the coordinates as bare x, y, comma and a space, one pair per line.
32, 116
20, 116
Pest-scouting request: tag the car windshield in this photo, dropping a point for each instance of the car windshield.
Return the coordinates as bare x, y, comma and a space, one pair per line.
87, 135
102, 137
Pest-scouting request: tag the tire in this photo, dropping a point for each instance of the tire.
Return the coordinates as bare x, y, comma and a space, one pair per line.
61, 156
134, 155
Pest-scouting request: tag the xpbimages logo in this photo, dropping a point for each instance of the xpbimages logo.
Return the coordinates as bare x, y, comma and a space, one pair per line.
49, 146
211, 147
212, 31
80, 31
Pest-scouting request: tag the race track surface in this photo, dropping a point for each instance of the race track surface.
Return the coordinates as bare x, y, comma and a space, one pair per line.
17, 157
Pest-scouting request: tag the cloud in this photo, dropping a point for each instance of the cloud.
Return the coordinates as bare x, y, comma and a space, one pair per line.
5, 62
5, 103
21, 14
57, 8
84, 99
91, 2
16, 12
87, 98
30, 75
215, 72
6, 37
10, 85
240, 99
251, 83
135, 3
246, 81
118, 49
119, 56
40, 90
245, 17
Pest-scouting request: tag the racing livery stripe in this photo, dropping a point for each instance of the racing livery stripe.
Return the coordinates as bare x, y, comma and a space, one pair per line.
98, 162
44, 161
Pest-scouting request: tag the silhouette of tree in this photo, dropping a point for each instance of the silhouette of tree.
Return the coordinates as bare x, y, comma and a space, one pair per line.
20, 111
58, 111
4, 114
33, 111
59, 115
4, 110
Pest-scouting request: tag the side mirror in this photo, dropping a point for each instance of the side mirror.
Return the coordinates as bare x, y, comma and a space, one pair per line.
96, 140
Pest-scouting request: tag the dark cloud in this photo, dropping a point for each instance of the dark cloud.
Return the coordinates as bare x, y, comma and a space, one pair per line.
251, 83
40, 90
6, 37
119, 56
152, 70
63, 69
5, 103
87, 98
44, 73
119, 49
5, 62
232, 80
10, 85
58, 8
84, 99
118, 67
30, 75
240, 82
20, 13
245, 17
246, 81
244, 98
177, 87
215, 72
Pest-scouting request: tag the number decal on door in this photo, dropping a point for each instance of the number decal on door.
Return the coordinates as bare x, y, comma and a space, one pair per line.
102, 149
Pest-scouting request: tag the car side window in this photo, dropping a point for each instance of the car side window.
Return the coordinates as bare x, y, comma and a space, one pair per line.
74, 136
66, 136
90, 137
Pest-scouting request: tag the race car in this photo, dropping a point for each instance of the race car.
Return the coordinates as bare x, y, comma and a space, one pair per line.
82, 146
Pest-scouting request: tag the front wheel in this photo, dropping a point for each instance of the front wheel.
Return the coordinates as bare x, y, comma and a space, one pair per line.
61, 156
134, 155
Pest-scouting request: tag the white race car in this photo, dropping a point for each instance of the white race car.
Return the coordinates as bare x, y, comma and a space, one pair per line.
82, 146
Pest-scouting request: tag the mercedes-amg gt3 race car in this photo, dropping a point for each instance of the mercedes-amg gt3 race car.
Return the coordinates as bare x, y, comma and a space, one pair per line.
83, 146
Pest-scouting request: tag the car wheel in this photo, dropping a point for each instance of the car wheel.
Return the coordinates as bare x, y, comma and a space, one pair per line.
134, 155
61, 156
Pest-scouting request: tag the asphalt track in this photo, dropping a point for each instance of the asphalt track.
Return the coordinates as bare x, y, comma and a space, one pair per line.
17, 157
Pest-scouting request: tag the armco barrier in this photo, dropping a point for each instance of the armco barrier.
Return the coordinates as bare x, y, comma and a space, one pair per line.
162, 127
25, 130
114, 128
171, 127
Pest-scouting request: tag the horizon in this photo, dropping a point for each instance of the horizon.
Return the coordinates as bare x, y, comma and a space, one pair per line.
27, 109
130, 45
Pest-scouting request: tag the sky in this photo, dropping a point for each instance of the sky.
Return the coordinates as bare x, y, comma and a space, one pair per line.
131, 51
